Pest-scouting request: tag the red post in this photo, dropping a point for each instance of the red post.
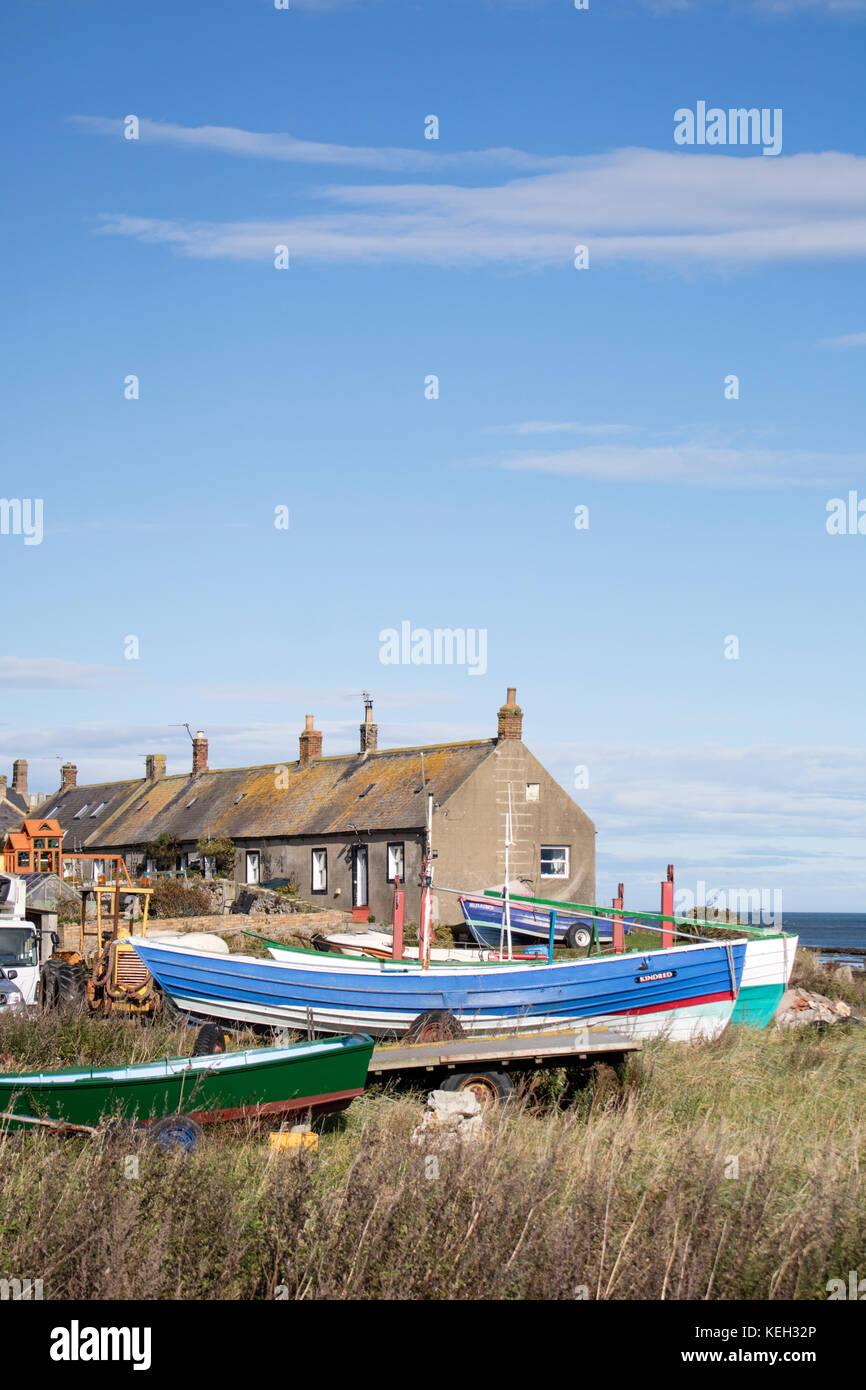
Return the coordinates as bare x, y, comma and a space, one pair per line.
618, 932
399, 906
667, 909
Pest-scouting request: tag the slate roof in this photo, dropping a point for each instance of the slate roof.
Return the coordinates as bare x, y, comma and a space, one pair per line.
381, 791
13, 809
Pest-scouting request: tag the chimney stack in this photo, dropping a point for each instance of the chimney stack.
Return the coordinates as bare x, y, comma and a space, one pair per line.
3, 788
155, 766
510, 717
199, 754
310, 743
369, 730
68, 776
19, 777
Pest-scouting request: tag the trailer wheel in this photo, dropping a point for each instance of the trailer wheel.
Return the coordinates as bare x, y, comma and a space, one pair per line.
436, 1025
491, 1087
209, 1039
175, 1132
576, 937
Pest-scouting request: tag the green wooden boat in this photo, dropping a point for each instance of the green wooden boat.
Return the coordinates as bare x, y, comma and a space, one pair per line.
306, 1076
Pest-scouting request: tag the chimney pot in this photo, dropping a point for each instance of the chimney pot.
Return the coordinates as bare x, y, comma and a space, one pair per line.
199, 754
310, 743
510, 717
68, 776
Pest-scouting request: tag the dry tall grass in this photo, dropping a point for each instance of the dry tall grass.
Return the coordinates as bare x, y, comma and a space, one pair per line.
628, 1192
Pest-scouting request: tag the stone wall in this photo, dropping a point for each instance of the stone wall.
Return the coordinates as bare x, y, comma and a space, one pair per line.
302, 925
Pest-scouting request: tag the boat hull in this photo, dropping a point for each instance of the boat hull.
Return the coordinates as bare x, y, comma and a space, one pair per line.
643, 994
766, 972
319, 1076
529, 926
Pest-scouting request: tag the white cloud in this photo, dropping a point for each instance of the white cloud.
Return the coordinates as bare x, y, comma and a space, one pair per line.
254, 144
770, 9
555, 427
51, 673
678, 208
695, 463
845, 340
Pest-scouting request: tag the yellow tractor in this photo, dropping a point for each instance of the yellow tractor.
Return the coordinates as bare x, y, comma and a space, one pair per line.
116, 980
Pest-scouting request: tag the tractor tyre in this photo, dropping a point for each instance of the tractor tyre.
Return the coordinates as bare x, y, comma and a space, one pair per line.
61, 985
210, 1039
436, 1025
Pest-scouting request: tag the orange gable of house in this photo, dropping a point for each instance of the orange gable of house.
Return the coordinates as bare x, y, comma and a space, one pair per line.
32, 828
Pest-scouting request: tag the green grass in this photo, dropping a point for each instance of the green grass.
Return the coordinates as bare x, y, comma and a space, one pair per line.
725, 1170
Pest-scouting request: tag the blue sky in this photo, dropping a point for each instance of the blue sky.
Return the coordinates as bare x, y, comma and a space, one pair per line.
558, 387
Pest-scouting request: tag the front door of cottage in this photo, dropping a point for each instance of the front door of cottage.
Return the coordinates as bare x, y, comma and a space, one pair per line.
359, 876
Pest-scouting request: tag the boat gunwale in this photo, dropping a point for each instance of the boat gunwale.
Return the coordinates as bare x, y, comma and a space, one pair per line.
210, 1063
406, 965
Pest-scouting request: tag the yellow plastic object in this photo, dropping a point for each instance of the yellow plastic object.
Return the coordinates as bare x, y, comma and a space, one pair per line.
282, 1140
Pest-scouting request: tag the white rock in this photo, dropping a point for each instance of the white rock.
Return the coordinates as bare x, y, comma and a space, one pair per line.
459, 1103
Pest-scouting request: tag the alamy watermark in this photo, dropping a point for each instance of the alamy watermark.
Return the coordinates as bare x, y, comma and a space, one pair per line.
736, 126
77, 1343
758, 905
846, 517
441, 646
22, 516
855, 1288
21, 1290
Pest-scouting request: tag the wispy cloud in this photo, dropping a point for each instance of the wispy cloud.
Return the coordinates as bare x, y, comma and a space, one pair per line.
845, 340
51, 673
761, 790
770, 9
529, 427
680, 209
254, 144
697, 464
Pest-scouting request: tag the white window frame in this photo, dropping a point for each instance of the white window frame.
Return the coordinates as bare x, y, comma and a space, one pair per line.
253, 854
533, 791
319, 869
564, 850
210, 866
391, 870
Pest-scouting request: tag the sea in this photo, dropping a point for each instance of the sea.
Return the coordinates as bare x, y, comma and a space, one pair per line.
837, 935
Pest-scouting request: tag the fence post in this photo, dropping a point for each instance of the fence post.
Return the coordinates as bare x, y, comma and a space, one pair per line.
618, 932
668, 908
397, 929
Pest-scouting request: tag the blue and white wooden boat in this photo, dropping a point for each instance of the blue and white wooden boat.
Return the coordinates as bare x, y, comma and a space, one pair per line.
683, 992
530, 925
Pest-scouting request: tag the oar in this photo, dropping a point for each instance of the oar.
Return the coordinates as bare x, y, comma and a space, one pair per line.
48, 1124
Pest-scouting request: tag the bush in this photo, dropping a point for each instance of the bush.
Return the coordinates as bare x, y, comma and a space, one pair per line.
223, 851
164, 851
173, 898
